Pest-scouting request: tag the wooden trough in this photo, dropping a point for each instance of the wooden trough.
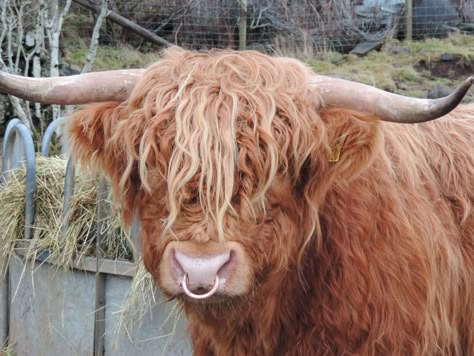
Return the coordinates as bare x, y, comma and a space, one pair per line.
46, 310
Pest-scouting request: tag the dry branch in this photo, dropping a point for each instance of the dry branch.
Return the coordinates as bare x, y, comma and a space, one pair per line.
125, 23
53, 29
17, 104
95, 37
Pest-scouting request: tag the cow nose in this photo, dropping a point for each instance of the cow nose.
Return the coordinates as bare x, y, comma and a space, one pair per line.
202, 275
198, 270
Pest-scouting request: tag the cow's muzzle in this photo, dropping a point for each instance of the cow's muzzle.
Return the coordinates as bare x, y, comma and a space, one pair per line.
202, 270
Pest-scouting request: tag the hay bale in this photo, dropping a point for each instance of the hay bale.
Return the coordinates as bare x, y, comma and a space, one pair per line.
73, 237
64, 239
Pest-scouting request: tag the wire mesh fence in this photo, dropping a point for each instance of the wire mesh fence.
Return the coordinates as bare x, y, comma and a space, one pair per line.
283, 25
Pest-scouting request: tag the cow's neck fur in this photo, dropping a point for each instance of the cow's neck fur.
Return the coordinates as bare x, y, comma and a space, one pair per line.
378, 282
258, 325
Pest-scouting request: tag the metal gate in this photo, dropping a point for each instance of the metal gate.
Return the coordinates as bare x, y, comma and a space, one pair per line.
48, 311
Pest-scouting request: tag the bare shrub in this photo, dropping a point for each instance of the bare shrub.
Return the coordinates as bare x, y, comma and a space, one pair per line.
306, 25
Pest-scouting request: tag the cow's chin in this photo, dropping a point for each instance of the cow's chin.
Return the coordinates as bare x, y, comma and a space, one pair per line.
205, 273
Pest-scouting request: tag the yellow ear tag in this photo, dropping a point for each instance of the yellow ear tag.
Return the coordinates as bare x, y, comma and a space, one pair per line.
335, 154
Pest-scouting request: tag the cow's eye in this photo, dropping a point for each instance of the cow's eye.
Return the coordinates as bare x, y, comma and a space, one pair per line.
192, 200
235, 200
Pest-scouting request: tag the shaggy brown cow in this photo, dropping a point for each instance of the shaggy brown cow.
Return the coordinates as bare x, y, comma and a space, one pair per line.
274, 204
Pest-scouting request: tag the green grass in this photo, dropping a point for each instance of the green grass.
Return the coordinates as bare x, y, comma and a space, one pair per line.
458, 45
112, 58
404, 73
75, 43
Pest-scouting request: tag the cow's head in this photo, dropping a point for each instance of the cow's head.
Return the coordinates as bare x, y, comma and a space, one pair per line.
225, 157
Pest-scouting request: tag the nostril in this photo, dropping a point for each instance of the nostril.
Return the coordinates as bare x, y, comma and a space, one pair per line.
201, 271
207, 266
200, 295
176, 264
224, 270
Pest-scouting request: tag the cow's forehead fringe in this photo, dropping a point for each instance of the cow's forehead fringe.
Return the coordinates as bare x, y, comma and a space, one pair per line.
235, 119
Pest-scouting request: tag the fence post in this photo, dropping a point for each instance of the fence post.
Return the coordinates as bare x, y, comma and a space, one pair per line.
243, 25
409, 20
100, 278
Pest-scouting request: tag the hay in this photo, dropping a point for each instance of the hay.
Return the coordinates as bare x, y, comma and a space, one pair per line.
142, 296
139, 301
7, 349
12, 218
70, 239
67, 239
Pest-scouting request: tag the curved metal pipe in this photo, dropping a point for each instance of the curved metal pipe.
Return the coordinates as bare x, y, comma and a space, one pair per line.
48, 135
16, 130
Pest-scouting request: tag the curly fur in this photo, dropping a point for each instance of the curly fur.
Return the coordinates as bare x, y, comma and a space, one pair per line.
371, 255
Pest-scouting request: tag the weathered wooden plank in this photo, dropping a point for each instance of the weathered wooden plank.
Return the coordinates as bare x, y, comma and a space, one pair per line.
4, 309
160, 332
51, 311
89, 264
120, 268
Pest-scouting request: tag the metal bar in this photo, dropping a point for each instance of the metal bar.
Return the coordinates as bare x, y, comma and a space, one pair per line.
135, 238
99, 325
48, 135
17, 132
7, 147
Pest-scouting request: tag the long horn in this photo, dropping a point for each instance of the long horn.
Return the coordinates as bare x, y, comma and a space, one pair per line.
85, 88
388, 106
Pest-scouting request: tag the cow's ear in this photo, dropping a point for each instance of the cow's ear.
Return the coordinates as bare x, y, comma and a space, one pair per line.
353, 139
350, 144
89, 129
96, 144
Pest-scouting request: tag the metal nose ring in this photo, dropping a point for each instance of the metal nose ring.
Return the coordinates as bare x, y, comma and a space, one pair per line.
199, 296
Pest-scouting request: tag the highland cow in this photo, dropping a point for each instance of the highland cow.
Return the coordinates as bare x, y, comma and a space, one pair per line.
289, 213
